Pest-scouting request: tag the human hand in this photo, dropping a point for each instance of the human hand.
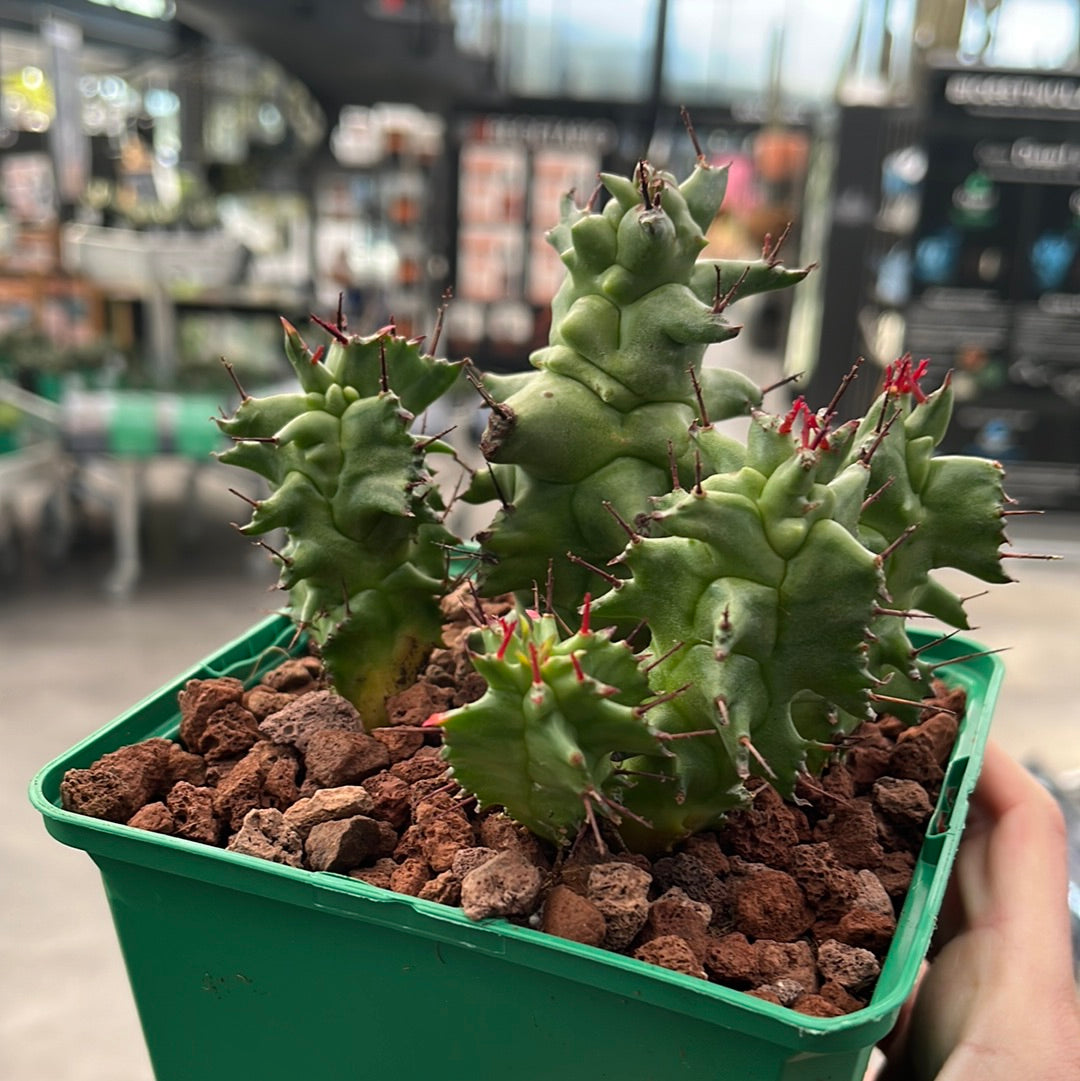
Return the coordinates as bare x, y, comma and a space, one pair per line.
998, 1003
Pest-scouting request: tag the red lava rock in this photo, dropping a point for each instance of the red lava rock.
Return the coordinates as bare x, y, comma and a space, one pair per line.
262, 700
501, 833
265, 834
767, 903
767, 830
264, 777
417, 703
199, 699
118, 783
915, 759
829, 887
379, 874
675, 914
229, 732
388, 838
869, 930
791, 961
409, 845
192, 811
411, 876
671, 952
342, 844
295, 676
329, 804
621, 893
844, 1001
442, 836
154, 817
767, 994
336, 757
400, 743
732, 959
938, 731
426, 764
569, 915
705, 848
181, 765
851, 830
849, 966
696, 880
816, 1006
465, 859
444, 889
895, 872
868, 756
787, 991
391, 798
507, 885
308, 713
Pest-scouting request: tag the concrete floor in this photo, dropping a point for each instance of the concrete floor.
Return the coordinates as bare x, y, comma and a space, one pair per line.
72, 659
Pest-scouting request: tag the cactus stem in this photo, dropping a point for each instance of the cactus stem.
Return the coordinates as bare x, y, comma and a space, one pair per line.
273, 551
667, 737
721, 707
782, 382
968, 657
684, 116
627, 528
758, 756
618, 808
246, 498
590, 819
644, 708
333, 331
673, 465
829, 413
882, 431
474, 377
873, 497
889, 549
874, 697
936, 642
664, 656
770, 252
235, 381
900, 614
440, 316
425, 443
720, 303
703, 414
609, 578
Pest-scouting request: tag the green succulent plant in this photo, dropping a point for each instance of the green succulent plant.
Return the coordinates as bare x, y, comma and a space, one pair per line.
770, 580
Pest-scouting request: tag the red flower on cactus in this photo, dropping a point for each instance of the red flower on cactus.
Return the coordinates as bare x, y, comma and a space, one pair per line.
903, 377
813, 433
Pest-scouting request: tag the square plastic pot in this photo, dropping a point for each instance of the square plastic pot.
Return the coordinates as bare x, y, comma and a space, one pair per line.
245, 969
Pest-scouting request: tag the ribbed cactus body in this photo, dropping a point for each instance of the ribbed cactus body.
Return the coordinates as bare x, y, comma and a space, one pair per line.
606, 415
364, 558
545, 740
759, 599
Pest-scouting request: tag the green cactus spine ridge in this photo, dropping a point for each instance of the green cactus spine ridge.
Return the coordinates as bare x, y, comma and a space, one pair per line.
364, 559
559, 714
929, 511
613, 395
759, 599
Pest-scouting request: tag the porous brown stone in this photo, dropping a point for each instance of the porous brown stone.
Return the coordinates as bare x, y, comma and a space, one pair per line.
264, 777
229, 732
671, 952
391, 798
262, 700
444, 889
400, 743
851, 967
118, 783
507, 885
410, 876
328, 804
192, 811
334, 757
298, 675
620, 891
306, 714
265, 834
767, 903
199, 699
569, 915
154, 817
341, 844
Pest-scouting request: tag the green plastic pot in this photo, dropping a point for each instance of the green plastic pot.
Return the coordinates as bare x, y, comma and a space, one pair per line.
243, 968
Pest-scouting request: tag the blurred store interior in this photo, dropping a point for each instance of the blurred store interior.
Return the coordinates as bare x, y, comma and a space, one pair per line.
176, 174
